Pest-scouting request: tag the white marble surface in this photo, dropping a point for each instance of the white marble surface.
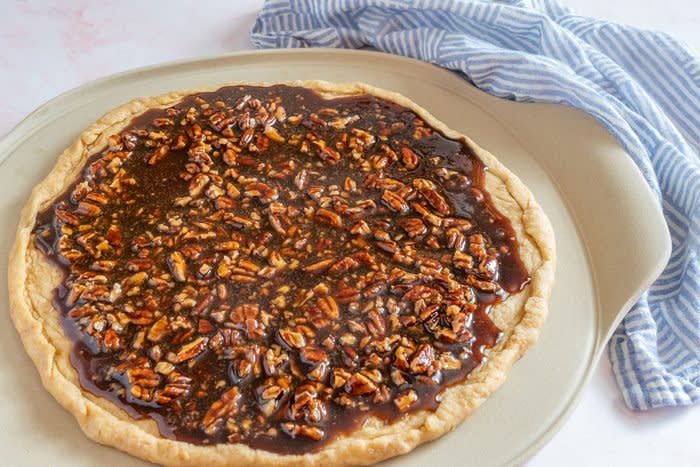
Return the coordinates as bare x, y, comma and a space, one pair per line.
49, 47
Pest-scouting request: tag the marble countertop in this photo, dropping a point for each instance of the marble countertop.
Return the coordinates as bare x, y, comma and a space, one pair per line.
52, 46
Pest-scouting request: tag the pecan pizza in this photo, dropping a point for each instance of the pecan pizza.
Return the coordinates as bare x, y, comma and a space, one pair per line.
301, 273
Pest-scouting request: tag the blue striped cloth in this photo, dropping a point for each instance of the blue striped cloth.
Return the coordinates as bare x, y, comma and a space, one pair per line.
643, 86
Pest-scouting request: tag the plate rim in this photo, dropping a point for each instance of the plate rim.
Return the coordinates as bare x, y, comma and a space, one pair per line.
27, 126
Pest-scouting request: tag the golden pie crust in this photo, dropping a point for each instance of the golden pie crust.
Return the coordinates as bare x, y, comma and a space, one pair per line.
32, 279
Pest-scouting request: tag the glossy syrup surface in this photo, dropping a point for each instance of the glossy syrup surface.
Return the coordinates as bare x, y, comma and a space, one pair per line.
265, 266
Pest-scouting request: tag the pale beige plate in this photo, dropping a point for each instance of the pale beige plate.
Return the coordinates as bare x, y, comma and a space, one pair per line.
612, 241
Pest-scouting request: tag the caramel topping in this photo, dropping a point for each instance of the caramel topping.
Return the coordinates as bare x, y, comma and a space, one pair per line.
265, 266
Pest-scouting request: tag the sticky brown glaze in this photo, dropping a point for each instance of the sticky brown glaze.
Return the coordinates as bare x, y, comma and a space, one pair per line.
265, 266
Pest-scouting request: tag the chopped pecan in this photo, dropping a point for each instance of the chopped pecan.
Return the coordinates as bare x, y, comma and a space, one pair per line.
159, 330
329, 307
219, 411
319, 267
88, 209
360, 385
347, 295
343, 266
429, 192
177, 265
423, 360
327, 217
291, 338
414, 227
409, 158
189, 350
197, 185
405, 400
394, 202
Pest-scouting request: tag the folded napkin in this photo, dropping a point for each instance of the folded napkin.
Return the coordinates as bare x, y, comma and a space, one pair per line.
643, 86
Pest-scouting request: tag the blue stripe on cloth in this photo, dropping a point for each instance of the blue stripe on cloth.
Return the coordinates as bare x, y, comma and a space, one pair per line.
643, 86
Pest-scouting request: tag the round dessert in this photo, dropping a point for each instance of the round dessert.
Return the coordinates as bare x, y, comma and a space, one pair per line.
297, 273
